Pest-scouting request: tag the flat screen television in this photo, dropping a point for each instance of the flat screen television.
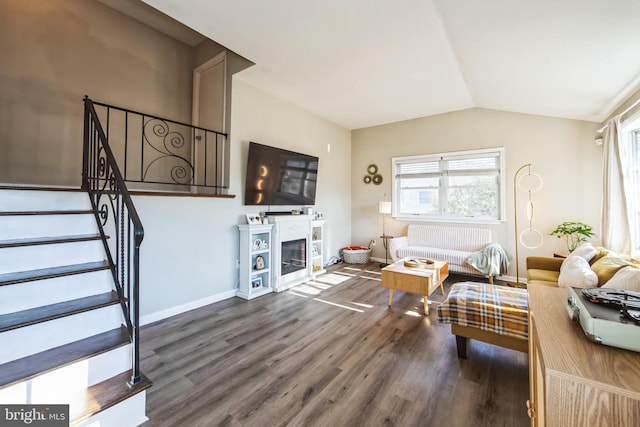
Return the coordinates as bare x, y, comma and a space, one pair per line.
280, 177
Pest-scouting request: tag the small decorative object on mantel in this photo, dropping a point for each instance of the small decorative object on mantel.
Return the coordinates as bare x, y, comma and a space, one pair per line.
418, 263
254, 219
373, 175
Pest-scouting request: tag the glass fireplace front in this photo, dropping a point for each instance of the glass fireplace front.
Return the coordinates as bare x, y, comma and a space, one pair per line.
294, 256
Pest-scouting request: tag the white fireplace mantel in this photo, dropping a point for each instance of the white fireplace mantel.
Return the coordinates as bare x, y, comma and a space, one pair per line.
287, 228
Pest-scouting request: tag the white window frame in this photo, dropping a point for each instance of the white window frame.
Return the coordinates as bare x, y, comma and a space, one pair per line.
443, 217
631, 170
635, 191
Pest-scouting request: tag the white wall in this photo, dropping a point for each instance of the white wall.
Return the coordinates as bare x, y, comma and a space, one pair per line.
562, 151
191, 244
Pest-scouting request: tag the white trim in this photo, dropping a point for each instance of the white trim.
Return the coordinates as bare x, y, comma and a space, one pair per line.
450, 153
452, 220
219, 58
179, 309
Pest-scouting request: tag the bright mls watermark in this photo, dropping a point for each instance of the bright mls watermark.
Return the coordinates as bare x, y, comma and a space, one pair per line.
34, 415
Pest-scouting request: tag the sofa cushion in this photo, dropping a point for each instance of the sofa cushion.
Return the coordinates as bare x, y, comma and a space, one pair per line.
576, 272
627, 278
542, 277
456, 238
600, 253
607, 266
450, 255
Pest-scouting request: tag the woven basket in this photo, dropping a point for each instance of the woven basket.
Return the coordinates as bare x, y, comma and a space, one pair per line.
356, 256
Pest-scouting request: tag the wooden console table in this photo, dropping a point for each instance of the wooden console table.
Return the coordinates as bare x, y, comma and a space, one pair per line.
573, 381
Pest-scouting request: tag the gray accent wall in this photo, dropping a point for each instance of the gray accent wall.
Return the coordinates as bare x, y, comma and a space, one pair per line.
56, 51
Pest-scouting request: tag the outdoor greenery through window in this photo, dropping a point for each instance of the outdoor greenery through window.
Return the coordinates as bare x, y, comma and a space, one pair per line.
463, 186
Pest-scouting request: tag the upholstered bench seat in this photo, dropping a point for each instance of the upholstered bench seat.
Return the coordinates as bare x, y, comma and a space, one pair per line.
491, 313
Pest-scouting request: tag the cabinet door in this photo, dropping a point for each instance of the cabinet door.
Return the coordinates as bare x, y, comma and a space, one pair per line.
535, 404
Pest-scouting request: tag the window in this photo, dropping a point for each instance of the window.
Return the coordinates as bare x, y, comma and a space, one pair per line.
633, 193
464, 186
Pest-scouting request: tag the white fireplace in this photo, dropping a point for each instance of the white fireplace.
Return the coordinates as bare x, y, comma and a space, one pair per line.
291, 250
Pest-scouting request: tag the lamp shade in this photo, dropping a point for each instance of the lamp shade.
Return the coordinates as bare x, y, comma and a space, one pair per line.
384, 207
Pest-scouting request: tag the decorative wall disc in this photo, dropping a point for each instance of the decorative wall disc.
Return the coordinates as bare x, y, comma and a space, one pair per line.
367, 179
377, 179
372, 169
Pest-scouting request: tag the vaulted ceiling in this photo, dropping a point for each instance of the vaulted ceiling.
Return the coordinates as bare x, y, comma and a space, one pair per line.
361, 63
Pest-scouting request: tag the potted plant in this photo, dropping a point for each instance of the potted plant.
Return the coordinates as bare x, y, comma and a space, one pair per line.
576, 232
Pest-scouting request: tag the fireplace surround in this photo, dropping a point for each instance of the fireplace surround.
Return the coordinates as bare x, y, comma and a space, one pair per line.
291, 246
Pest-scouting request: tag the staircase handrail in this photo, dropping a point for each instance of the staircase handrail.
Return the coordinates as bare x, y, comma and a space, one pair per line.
128, 110
95, 170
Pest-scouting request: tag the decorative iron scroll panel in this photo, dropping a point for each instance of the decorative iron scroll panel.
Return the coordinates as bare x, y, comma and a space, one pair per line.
163, 154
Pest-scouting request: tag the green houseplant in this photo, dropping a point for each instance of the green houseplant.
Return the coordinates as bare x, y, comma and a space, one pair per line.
575, 232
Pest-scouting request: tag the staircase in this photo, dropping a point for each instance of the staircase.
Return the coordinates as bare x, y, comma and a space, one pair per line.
63, 336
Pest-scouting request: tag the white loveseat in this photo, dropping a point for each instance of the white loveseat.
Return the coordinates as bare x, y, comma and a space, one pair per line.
451, 244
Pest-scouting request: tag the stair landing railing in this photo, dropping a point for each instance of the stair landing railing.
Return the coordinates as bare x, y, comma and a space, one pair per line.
159, 154
115, 214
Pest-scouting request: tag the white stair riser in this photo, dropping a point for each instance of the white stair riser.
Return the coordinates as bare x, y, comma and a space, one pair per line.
23, 296
24, 258
22, 342
35, 200
128, 413
58, 385
26, 226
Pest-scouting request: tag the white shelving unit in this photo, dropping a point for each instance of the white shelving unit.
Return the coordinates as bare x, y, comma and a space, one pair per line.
255, 260
317, 249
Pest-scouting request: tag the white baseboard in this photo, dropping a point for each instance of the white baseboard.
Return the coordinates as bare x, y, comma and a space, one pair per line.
179, 309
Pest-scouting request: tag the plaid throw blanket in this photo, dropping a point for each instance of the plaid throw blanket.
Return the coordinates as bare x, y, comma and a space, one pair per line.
492, 308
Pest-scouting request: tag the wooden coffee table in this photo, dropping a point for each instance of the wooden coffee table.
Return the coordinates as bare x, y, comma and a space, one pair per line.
422, 281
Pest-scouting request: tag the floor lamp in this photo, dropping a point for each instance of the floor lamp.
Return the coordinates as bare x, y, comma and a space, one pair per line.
385, 208
529, 238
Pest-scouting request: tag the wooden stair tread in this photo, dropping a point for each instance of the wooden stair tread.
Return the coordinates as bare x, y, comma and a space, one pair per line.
45, 313
40, 188
104, 395
35, 364
58, 212
48, 240
48, 273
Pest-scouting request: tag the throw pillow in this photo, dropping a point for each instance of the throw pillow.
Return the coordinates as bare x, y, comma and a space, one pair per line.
585, 250
607, 266
627, 278
602, 252
575, 272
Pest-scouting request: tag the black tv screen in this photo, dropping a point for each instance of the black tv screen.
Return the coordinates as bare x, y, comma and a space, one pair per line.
280, 177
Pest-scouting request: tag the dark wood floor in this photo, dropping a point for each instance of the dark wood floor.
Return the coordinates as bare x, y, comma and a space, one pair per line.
327, 353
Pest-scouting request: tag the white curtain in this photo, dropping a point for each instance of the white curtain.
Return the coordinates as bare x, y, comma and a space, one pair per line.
616, 234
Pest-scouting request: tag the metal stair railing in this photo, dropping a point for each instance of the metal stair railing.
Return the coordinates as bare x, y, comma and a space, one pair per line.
160, 154
115, 212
